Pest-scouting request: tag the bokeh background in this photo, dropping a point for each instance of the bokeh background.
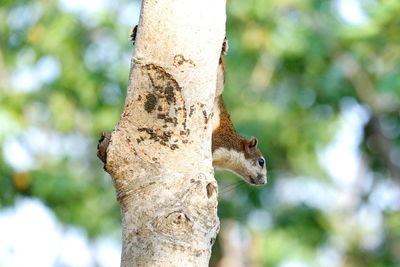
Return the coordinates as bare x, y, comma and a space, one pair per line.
317, 81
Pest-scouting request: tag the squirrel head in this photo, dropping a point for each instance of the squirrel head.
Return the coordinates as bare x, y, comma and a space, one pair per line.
248, 162
255, 171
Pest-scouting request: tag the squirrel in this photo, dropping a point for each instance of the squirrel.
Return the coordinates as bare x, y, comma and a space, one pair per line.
230, 151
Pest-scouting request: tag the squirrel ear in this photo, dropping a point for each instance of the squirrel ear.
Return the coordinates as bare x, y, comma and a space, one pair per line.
251, 144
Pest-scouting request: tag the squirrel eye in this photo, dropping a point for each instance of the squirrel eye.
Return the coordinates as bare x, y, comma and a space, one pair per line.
261, 162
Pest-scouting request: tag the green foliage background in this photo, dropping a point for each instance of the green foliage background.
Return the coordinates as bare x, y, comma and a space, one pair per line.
293, 69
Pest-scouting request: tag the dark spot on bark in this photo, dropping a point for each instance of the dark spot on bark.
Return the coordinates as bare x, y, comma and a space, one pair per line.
154, 159
210, 189
205, 117
191, 110
186, 132
184, 124
169, 94
173, 147
158, 136
138, 140
185, 112
151, 101
139, 98
167, 118
126, 114
187, 218
212, 241
147, 130
160, 79
180, 60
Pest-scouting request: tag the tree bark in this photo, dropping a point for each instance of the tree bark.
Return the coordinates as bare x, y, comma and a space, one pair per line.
159, 154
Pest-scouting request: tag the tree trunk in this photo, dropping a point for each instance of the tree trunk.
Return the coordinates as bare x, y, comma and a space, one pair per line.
159, 155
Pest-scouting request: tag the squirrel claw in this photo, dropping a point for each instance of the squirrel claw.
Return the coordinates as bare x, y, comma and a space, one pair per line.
225, 47
132, 34
102, 146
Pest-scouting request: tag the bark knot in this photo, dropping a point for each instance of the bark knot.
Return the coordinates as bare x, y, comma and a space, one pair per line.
175, 223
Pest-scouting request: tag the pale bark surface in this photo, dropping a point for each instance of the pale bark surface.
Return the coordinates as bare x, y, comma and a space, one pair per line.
159, 155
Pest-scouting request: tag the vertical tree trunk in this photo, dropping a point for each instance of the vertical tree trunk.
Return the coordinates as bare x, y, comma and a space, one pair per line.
159, 155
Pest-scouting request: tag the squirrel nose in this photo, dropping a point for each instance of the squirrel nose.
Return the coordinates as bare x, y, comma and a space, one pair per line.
261, 179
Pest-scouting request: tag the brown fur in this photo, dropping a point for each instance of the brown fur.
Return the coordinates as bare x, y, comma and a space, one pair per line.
231, 151
226, 136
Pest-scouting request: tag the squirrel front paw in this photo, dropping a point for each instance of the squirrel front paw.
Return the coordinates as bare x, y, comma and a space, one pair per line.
132, 34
